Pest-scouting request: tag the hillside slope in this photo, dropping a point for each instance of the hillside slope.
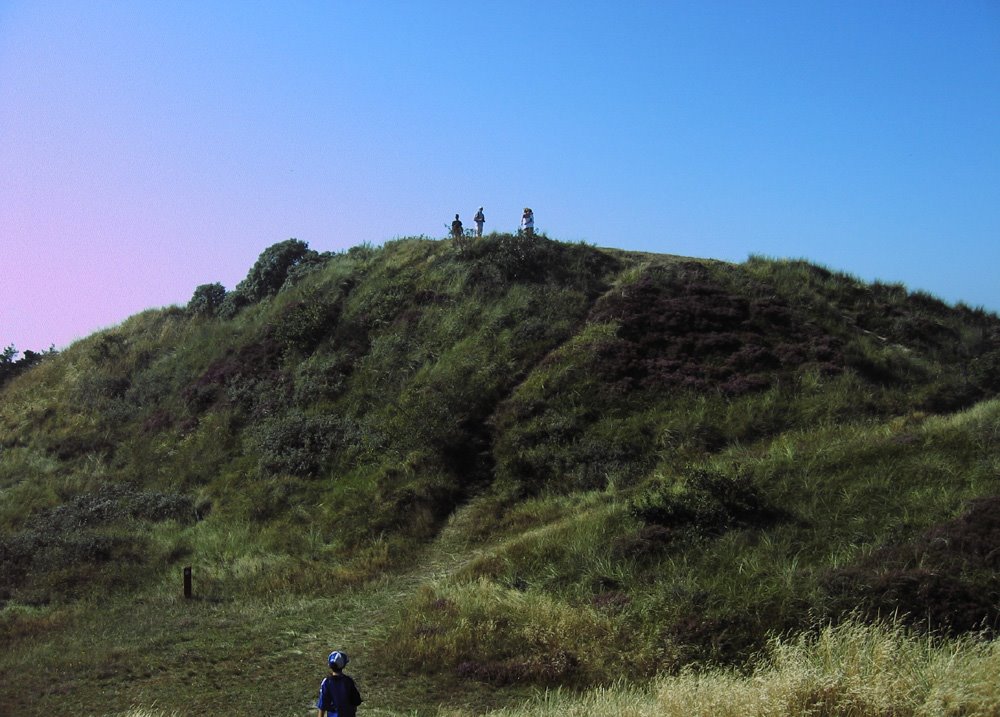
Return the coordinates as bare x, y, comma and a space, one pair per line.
561, 462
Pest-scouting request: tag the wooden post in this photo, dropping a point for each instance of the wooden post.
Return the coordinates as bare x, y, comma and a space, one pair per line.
187, 582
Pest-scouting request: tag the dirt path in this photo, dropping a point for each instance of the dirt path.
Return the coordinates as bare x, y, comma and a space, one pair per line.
361, 620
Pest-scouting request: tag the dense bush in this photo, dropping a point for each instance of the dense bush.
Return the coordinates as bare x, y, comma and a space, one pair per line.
301, 326
234, 302
274, 266
206, 300
322, 377
279, 267
114, 503
295, 443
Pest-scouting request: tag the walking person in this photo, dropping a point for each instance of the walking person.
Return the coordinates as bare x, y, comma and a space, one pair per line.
338, 695
528, 222
479, 219
456, 228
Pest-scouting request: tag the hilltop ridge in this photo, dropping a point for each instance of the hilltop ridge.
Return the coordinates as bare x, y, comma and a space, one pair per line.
569, 461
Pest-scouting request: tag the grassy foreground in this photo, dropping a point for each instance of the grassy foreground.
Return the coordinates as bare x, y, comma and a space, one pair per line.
848, 669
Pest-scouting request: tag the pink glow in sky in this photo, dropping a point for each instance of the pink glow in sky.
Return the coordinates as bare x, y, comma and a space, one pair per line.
147, 148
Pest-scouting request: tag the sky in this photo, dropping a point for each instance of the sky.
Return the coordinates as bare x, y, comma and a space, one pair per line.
147, 148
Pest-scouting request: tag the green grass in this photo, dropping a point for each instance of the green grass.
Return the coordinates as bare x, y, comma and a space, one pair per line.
156, 651
492, 468
167, 656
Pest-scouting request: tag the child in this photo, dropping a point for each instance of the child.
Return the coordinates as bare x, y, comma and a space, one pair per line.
338, 696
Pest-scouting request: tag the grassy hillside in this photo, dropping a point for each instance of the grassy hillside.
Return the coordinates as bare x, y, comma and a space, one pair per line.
507, 463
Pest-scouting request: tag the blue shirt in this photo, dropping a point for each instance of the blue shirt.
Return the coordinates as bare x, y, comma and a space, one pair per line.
339, 696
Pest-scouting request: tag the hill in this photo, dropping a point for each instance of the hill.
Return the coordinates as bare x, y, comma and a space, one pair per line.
506, 462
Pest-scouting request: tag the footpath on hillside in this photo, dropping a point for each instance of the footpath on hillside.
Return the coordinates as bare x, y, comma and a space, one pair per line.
359, 622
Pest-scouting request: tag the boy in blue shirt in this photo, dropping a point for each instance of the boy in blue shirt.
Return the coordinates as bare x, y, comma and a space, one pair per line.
338, 695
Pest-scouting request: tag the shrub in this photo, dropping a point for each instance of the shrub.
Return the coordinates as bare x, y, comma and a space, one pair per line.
238, 376
301, 326
56, 552
322, 377
295, 443
115, 503
269, 274
234, 302
108, 347
309, 263
206, 300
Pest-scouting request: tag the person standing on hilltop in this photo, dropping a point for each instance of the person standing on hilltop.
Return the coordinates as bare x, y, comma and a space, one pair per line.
479, 219
456, 228
528, 222
338, 695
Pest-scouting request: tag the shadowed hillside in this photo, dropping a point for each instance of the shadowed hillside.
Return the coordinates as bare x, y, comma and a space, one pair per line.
506, 462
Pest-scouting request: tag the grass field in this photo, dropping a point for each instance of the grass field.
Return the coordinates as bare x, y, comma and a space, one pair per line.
167, 656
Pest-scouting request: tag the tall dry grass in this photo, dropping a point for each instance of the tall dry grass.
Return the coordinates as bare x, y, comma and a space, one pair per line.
846, 670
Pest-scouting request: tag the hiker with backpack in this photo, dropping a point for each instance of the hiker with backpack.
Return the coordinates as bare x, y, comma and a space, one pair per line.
479, 219
338, 695
456, 228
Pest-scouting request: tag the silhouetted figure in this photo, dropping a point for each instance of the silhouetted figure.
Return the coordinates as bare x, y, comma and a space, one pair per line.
456, 228
479, 219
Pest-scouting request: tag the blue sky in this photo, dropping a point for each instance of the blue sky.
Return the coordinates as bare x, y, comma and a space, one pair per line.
146, 148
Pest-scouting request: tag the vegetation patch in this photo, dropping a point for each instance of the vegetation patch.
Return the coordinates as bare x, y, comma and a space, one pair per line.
237, 374
849, 669
946, 580
503, 636
296, 443
500, 259
65, 551
11, 366
703, 503
301, 326
683, 328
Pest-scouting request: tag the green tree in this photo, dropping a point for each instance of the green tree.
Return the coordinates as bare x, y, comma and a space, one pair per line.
268, 275
207, 299
10, 366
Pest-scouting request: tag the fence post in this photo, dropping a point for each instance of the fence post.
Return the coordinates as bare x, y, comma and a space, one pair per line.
187, 582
